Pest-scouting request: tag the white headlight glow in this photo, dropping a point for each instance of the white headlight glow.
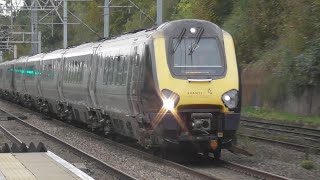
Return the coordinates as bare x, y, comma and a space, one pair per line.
226, 97
193, 30
168, 104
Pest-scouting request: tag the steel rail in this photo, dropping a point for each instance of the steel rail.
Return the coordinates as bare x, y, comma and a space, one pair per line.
317, 137
280, 125
293, 145
252, 171
10, 136
100, 164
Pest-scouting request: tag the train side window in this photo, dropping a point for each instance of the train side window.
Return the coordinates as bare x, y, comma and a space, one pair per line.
70, 71
78, 70
115, 69
8, 73
110, 72
51, 71
67, 71
108, 64
120, 70
44, 71
30, 72
73, 77
75, 71
65, 75
0, 73
106, 70
125, 70
137, 59
136, 56
81, 70
17, 71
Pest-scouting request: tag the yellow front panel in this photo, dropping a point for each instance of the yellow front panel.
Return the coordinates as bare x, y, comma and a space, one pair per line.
197, 92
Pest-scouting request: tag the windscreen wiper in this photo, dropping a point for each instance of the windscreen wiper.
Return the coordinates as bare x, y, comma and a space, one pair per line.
179, 40
195, 44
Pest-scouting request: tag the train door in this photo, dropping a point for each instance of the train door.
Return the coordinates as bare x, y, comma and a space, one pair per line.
93, 76
135, 78
38, 76
61, 65
11, 79
23, 80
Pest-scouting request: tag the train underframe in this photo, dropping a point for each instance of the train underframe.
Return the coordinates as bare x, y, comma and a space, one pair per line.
197, 132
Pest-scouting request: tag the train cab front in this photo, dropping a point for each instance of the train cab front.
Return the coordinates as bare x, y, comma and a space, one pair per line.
198, 81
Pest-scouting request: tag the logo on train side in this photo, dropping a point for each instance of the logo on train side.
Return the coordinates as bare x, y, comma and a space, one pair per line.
199, 92
194, 93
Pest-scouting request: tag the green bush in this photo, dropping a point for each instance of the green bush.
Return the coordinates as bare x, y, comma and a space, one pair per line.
307, 164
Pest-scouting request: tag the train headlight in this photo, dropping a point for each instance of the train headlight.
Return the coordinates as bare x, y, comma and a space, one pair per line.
170, 99
168, 104
230, 99
193, 30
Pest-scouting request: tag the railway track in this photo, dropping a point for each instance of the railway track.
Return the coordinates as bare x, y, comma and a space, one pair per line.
295, 137
297, 130
247, 171
102, 165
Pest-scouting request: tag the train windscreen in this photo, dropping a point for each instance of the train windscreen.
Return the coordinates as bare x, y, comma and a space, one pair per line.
197, 57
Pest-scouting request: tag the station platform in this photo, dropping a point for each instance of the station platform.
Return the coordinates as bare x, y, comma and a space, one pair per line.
37, 166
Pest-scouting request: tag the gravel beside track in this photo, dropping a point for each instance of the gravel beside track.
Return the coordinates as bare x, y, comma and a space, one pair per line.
276, 159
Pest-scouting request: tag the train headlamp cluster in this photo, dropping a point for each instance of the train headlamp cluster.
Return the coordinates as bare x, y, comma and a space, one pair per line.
169, 99
230, 99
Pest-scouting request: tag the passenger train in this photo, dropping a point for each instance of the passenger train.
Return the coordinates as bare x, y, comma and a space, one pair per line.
174, 85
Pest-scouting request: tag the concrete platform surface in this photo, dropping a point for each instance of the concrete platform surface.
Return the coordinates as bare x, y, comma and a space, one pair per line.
38, 166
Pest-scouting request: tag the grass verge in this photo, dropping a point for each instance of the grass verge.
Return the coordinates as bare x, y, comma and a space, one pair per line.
261, 113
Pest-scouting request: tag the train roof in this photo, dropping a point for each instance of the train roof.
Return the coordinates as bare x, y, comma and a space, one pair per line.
164, 29
82, 49
36, 57
21, 59
54, 54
